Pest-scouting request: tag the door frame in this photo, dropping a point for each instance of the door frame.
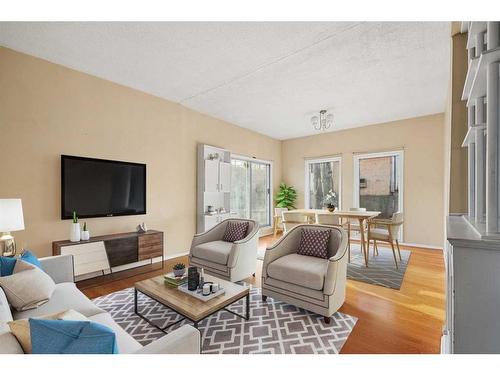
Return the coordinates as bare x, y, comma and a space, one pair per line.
399, 172
310, 161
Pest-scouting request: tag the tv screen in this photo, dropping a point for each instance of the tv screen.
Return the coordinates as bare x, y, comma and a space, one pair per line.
97, 188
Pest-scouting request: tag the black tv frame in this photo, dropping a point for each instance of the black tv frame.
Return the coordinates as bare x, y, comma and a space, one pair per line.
63, 190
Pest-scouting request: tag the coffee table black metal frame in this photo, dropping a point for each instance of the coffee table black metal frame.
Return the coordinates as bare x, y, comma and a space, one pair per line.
195, 322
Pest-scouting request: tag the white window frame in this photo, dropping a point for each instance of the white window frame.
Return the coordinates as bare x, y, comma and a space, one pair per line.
308, 162
400, 172
271, 191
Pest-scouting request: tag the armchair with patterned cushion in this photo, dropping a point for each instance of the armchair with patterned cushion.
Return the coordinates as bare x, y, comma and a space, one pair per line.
313, 283
220, 255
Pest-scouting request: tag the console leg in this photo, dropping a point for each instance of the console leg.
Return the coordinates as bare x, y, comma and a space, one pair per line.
327, 319
264, 298
253, 274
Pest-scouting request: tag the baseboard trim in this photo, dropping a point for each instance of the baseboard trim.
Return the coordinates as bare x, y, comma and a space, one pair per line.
177, 255
429, 247
422, 246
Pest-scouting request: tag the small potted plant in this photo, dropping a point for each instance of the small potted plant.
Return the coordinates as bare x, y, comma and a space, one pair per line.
179, 269
331, 201
85, 233
74, 235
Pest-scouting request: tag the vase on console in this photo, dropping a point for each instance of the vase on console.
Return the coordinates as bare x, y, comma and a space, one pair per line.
74, 234
85, 234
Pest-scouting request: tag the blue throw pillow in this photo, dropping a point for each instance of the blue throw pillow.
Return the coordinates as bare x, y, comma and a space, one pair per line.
71, 337
7, 265
29, 257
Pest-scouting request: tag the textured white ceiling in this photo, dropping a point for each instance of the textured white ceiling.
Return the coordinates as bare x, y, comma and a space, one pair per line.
267, 77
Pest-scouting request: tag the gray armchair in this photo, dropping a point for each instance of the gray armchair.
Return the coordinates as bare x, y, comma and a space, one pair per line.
314, 284
233, 261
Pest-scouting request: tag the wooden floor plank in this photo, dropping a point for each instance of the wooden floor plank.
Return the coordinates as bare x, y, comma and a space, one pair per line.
408, 320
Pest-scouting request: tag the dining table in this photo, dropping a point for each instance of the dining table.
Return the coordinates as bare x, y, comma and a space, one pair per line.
361, 216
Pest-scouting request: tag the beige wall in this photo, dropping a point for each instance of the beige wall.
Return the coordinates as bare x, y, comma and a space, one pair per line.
456, 129
422, 140
47, 110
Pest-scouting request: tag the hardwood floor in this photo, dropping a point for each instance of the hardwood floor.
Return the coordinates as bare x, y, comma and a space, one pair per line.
408, 320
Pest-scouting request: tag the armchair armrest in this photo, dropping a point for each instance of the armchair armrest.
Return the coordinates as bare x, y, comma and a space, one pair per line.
336, 272
213, 234
385, 222
184, 340
246, 248
59, 267
379, 221
250, 236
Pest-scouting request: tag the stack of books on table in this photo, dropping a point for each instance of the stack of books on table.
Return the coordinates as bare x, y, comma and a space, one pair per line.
171, 280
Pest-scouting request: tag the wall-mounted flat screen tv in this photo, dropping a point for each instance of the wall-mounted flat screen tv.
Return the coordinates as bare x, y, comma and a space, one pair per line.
99, 188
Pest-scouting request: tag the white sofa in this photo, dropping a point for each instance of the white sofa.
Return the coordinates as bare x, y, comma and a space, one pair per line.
184, 340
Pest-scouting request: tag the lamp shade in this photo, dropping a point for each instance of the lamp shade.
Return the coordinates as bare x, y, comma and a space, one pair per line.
11, 215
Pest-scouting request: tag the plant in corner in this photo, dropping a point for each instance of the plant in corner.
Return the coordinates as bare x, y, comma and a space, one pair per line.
286, 196
179, 269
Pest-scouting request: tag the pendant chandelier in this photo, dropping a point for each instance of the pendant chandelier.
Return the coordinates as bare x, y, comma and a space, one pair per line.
323, 121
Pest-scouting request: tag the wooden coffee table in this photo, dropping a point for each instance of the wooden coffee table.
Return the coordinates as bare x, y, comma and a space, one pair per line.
188, 306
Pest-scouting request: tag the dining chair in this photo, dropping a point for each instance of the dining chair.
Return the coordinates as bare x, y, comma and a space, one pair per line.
389, 232
332, 220
278, 218
327, 219
292, 219
352, 225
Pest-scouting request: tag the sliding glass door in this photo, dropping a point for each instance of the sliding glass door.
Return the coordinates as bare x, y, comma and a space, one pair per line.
323, 183
251, 189
378, 182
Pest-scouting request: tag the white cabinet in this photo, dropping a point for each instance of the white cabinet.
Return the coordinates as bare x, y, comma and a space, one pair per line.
225, 177
210, 221
87, 257
472, 284
211, 175
213, 186
217, 176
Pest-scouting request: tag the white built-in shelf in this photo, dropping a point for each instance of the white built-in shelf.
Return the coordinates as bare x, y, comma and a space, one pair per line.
474, 28
478, 88
470, 136
471, 73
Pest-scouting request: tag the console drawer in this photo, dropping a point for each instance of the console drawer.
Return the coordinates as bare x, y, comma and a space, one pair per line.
150, 246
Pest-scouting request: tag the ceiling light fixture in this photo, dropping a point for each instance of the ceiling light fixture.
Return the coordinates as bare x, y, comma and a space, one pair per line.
322, 122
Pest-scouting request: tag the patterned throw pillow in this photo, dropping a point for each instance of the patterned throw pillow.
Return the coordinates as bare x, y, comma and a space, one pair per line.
314, 243
235, 231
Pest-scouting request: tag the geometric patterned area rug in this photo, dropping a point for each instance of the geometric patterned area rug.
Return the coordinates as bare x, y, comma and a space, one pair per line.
381, 269
274, 326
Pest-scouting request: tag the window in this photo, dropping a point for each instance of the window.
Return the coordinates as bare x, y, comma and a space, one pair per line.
251, 189
378, 182
323, 182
